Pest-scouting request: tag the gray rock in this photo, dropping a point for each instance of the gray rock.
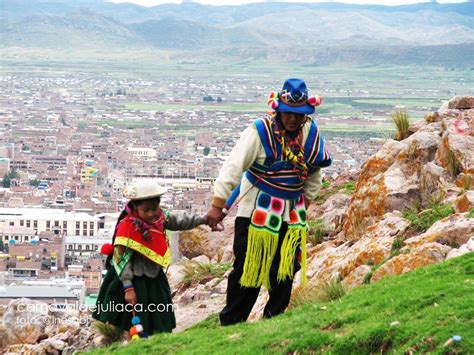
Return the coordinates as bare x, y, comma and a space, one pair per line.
461, 102
433, 181
203, 259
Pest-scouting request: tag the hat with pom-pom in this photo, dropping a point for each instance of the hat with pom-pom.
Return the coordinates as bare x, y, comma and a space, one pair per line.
293, 97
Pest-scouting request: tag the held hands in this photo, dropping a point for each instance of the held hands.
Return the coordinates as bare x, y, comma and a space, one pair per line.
214, 217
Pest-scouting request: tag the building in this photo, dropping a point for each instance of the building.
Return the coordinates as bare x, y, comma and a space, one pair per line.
47, 252
57, 221
89, 174
142, 152
78, 247
48, 294
17, 234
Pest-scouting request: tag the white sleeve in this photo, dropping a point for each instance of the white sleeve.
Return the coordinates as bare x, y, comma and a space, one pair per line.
312, 185
240, 159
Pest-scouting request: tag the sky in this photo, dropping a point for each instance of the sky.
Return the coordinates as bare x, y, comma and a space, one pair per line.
149, 3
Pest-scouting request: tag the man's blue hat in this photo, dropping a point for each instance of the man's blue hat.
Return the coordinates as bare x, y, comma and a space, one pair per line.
293, 97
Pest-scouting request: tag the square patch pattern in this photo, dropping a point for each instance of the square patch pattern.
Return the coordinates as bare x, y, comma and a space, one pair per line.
268, 212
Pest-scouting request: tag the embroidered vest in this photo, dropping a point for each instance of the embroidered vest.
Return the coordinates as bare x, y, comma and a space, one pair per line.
278, 178
155, 248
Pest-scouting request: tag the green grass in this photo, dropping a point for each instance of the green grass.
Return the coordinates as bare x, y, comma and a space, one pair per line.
408, 102
431, 305
396, 246
423, 220
471, 213
224, 107
349, 187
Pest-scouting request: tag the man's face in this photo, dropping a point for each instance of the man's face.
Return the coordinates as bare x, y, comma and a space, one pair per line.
292, 121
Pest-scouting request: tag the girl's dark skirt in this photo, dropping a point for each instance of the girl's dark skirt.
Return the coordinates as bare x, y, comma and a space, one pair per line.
154, 304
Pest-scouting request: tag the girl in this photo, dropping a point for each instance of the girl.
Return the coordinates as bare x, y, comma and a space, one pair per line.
135, 283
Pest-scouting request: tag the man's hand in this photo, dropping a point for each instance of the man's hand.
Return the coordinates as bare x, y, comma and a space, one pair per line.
214, 218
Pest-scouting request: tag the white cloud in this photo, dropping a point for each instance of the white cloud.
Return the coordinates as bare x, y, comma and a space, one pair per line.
149, 3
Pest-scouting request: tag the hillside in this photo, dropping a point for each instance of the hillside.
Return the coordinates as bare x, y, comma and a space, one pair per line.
411, 205
303, 33
430, 305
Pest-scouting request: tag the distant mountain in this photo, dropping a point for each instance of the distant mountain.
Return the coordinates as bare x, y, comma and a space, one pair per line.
80, 29
309, 33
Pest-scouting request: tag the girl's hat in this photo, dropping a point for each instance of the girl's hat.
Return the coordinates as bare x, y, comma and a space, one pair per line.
143, 190
293, 97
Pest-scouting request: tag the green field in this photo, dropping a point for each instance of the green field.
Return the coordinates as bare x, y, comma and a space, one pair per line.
357, 92
238, 107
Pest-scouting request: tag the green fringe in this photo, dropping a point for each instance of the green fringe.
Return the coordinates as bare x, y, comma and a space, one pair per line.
295, 236
261, 249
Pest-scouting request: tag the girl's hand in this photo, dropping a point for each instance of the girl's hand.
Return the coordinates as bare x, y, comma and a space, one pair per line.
131, 296
219, 227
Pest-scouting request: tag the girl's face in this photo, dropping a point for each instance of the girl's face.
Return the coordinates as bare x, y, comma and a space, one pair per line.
292, 121
149, 212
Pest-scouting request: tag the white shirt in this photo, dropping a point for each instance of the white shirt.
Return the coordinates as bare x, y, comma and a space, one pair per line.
249, 149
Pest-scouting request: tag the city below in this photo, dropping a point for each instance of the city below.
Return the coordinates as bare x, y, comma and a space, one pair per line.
70, 143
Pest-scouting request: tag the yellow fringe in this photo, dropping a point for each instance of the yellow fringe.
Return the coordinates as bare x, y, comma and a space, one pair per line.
295, 236
261, 249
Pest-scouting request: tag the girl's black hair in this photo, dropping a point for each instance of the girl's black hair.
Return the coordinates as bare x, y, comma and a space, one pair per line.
132, 204
154, 202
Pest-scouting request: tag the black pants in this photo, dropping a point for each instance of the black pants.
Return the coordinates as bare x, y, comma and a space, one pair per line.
240, 300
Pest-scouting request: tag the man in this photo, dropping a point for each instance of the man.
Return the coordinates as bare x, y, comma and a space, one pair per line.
274, 173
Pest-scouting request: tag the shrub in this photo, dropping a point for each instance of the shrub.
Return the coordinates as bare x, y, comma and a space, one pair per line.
452, 164
465, 183
303, 295
402, 123
331, 291
318, 230
396, 246
110, 332
197, 273
423, 220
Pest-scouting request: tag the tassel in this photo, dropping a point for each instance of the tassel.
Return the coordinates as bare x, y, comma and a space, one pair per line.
303, 275
261, 248
295, 236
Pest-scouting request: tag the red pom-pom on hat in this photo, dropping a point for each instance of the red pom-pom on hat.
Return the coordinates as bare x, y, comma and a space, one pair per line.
273, 103
273, 95
272, 100
107, 249
314, 100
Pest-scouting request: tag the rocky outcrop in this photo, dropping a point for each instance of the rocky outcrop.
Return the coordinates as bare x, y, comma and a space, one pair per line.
416, 169
34, 327
434, 165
